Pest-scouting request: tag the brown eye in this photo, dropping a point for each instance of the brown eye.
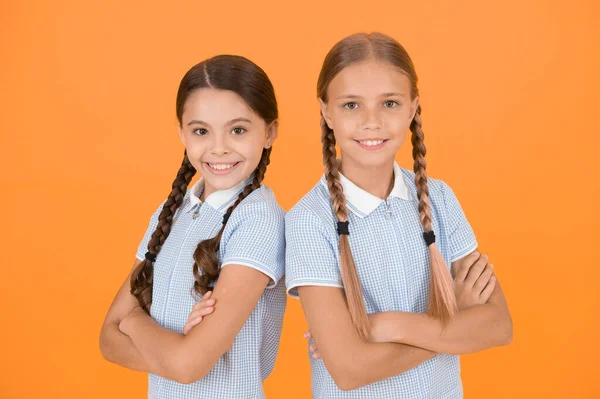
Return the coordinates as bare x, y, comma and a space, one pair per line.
200, 132
351, 105
238, 130
390, 104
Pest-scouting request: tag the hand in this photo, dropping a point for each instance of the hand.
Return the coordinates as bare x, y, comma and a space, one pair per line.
200, 309
474, 281
314, 351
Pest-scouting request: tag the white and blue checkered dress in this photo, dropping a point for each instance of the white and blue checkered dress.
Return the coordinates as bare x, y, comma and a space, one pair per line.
392, 260
254, 236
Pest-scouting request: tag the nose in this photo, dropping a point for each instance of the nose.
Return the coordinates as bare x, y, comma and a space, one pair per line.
219, 145
372, 119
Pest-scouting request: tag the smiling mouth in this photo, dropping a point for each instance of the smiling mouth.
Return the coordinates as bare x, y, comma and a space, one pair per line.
221, 168
371, 144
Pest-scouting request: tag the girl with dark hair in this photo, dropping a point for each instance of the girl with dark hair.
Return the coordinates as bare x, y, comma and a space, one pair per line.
368, 246
202, 309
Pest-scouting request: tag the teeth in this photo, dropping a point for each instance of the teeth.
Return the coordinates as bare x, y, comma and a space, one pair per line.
221, 166
371, 143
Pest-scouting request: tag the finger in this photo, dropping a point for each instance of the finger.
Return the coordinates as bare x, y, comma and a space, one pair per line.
205, 311
201, 312
476, 270
204, 303
207, 295
191, 324
316, 355
313, 348
483, 279
488, 290
307, 335
461, 267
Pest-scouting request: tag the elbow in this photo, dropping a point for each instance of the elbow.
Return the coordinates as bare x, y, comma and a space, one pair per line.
185, 370
349, 380
505, 331
345, 381
507, 336
104, 345
346, 376
187, 377
348, 385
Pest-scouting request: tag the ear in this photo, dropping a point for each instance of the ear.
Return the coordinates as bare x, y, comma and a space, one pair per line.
325, 113
272, 132
181, 134
413, 108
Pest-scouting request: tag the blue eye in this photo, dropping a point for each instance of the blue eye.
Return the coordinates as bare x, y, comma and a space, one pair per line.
200, 132
351, 105
238, 130
390, 104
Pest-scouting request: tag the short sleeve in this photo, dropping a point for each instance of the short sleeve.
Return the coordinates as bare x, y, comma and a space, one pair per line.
460, 233
143, 247
311, 252
257, 239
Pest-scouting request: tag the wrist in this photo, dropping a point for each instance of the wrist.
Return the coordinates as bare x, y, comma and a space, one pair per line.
387, 327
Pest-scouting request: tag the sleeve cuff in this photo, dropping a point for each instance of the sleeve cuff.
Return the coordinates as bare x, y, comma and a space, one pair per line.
464, 252
292, 286
254, 265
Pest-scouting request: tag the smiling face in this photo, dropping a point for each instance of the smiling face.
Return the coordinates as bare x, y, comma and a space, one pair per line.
223, 136
369, 109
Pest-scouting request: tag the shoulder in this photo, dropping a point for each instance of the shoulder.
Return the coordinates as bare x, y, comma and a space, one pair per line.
259, 204
314, 206
438, 189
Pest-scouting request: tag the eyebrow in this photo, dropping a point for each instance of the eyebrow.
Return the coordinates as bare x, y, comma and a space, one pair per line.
353, 96
231, 122
393, 94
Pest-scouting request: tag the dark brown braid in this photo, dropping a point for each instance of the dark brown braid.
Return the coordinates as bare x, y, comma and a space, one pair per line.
142, 275
206, 254
352, 287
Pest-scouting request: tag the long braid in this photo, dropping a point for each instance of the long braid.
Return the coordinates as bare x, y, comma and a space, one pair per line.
352, 287
142, 275
442, 301
206, 253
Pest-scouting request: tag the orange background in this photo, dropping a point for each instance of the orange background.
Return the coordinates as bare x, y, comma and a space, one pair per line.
89, 149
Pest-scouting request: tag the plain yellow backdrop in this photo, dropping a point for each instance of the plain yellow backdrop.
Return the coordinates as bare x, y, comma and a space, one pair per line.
89, 148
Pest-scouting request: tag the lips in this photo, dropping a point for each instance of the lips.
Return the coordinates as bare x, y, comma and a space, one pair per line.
371, 143
221, 168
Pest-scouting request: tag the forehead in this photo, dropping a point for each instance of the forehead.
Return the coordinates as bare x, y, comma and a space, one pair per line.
368, 78
215, 106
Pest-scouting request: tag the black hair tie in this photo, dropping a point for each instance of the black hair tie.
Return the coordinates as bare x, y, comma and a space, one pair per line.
343, 228
226, 217
429, 237
150, 257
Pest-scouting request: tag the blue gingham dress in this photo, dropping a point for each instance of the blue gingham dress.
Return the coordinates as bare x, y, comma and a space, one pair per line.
392, 261
254, 237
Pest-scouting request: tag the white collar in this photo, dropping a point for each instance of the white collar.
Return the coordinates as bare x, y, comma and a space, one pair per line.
363, 203
218, 200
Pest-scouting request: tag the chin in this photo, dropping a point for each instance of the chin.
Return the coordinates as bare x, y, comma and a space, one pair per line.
371, 159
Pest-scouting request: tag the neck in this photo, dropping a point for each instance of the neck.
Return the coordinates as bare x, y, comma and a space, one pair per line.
208, 190
376, 180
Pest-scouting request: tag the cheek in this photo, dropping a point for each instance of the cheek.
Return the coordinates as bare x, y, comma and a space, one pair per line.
251, 149
193, 147
397, 124
345, 126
